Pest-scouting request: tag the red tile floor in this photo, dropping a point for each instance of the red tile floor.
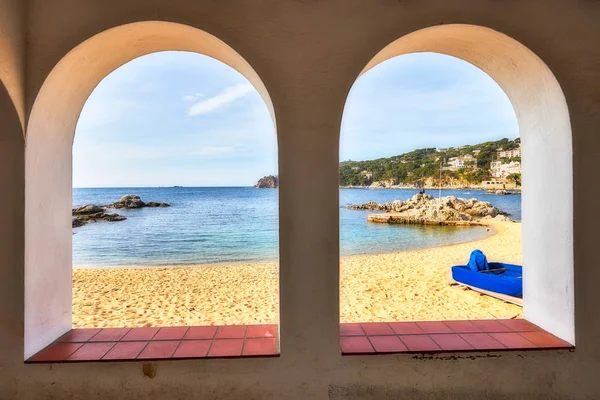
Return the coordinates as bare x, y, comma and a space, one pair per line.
446, 336
111, 344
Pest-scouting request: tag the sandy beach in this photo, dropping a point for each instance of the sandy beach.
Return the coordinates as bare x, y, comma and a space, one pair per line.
411, 285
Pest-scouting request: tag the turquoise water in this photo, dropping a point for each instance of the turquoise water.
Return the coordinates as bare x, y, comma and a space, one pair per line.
239, 224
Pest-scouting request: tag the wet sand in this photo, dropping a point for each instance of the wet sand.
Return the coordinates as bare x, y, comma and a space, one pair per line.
411, 285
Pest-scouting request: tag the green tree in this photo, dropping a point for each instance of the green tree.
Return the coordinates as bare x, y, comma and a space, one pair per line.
516, 178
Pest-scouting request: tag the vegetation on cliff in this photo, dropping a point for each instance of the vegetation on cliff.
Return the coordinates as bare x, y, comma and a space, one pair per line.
422, 165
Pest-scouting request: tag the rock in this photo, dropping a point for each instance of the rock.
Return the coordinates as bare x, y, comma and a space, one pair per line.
87, 209
155, 204
425, 209
77, 222
91, 213
131, 201
81, 220
128, 201
268, 182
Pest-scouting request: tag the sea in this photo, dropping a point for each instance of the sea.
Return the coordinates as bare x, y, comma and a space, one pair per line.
231, 225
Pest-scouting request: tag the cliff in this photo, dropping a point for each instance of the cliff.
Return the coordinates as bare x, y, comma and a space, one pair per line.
268, 182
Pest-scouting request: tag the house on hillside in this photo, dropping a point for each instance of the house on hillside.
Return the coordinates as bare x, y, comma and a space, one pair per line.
466, 161
500, 170
500, 153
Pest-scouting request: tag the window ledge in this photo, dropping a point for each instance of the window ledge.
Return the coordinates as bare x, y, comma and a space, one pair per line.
445, 336
127, 344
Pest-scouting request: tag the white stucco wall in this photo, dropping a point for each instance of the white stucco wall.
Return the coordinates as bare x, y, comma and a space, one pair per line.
308, 54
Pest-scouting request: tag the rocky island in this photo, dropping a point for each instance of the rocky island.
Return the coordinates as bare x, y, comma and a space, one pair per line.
132, 201
92, 213
268, 182
424, 209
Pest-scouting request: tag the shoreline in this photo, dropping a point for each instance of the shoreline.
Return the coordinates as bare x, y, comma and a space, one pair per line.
493, 231
398, 286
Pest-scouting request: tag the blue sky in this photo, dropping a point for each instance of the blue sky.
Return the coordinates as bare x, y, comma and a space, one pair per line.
176, 118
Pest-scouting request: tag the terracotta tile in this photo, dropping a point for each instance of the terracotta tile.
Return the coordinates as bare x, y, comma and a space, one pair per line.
78, 335
419, 343
226, 348
201, 332
231, 332
171, 333
56, 352
491, 326
513, 340
261, 331
462, 326
351, 330
434, 327
406, 328
387, 344
159, 350
545, 339
125, 351
377, 328
91, 351
451, 342
356, 345
519, 325
110, 335
260, 347
192, 349
140, 334
482, 341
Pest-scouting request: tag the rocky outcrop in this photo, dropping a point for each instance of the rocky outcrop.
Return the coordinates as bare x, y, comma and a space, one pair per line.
87, 210
92, 213
424, 209
268, 182
130, 201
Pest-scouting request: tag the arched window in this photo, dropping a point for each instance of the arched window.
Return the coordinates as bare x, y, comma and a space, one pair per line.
117, 147
413, 286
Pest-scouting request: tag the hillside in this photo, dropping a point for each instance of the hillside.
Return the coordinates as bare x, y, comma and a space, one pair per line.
421, 167
461, 166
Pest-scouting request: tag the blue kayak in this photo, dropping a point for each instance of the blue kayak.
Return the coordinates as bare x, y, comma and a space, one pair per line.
495, 277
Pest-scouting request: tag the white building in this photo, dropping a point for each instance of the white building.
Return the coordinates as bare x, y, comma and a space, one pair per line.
467, 161
500, 170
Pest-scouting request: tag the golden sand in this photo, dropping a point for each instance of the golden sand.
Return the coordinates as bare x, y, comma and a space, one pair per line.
410, 285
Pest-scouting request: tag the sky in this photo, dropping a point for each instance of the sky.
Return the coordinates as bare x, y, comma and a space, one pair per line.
178, 118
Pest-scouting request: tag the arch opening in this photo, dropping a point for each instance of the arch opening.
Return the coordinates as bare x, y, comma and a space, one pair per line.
544, 129
48, 169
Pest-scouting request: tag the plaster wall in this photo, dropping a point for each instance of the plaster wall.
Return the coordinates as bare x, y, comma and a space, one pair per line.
12, 164
308, 54
12, 49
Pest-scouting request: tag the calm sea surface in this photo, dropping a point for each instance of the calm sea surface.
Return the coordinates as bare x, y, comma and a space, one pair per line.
239, 224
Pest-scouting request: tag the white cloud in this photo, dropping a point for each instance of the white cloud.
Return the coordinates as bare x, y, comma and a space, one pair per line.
193, 97
227, 96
